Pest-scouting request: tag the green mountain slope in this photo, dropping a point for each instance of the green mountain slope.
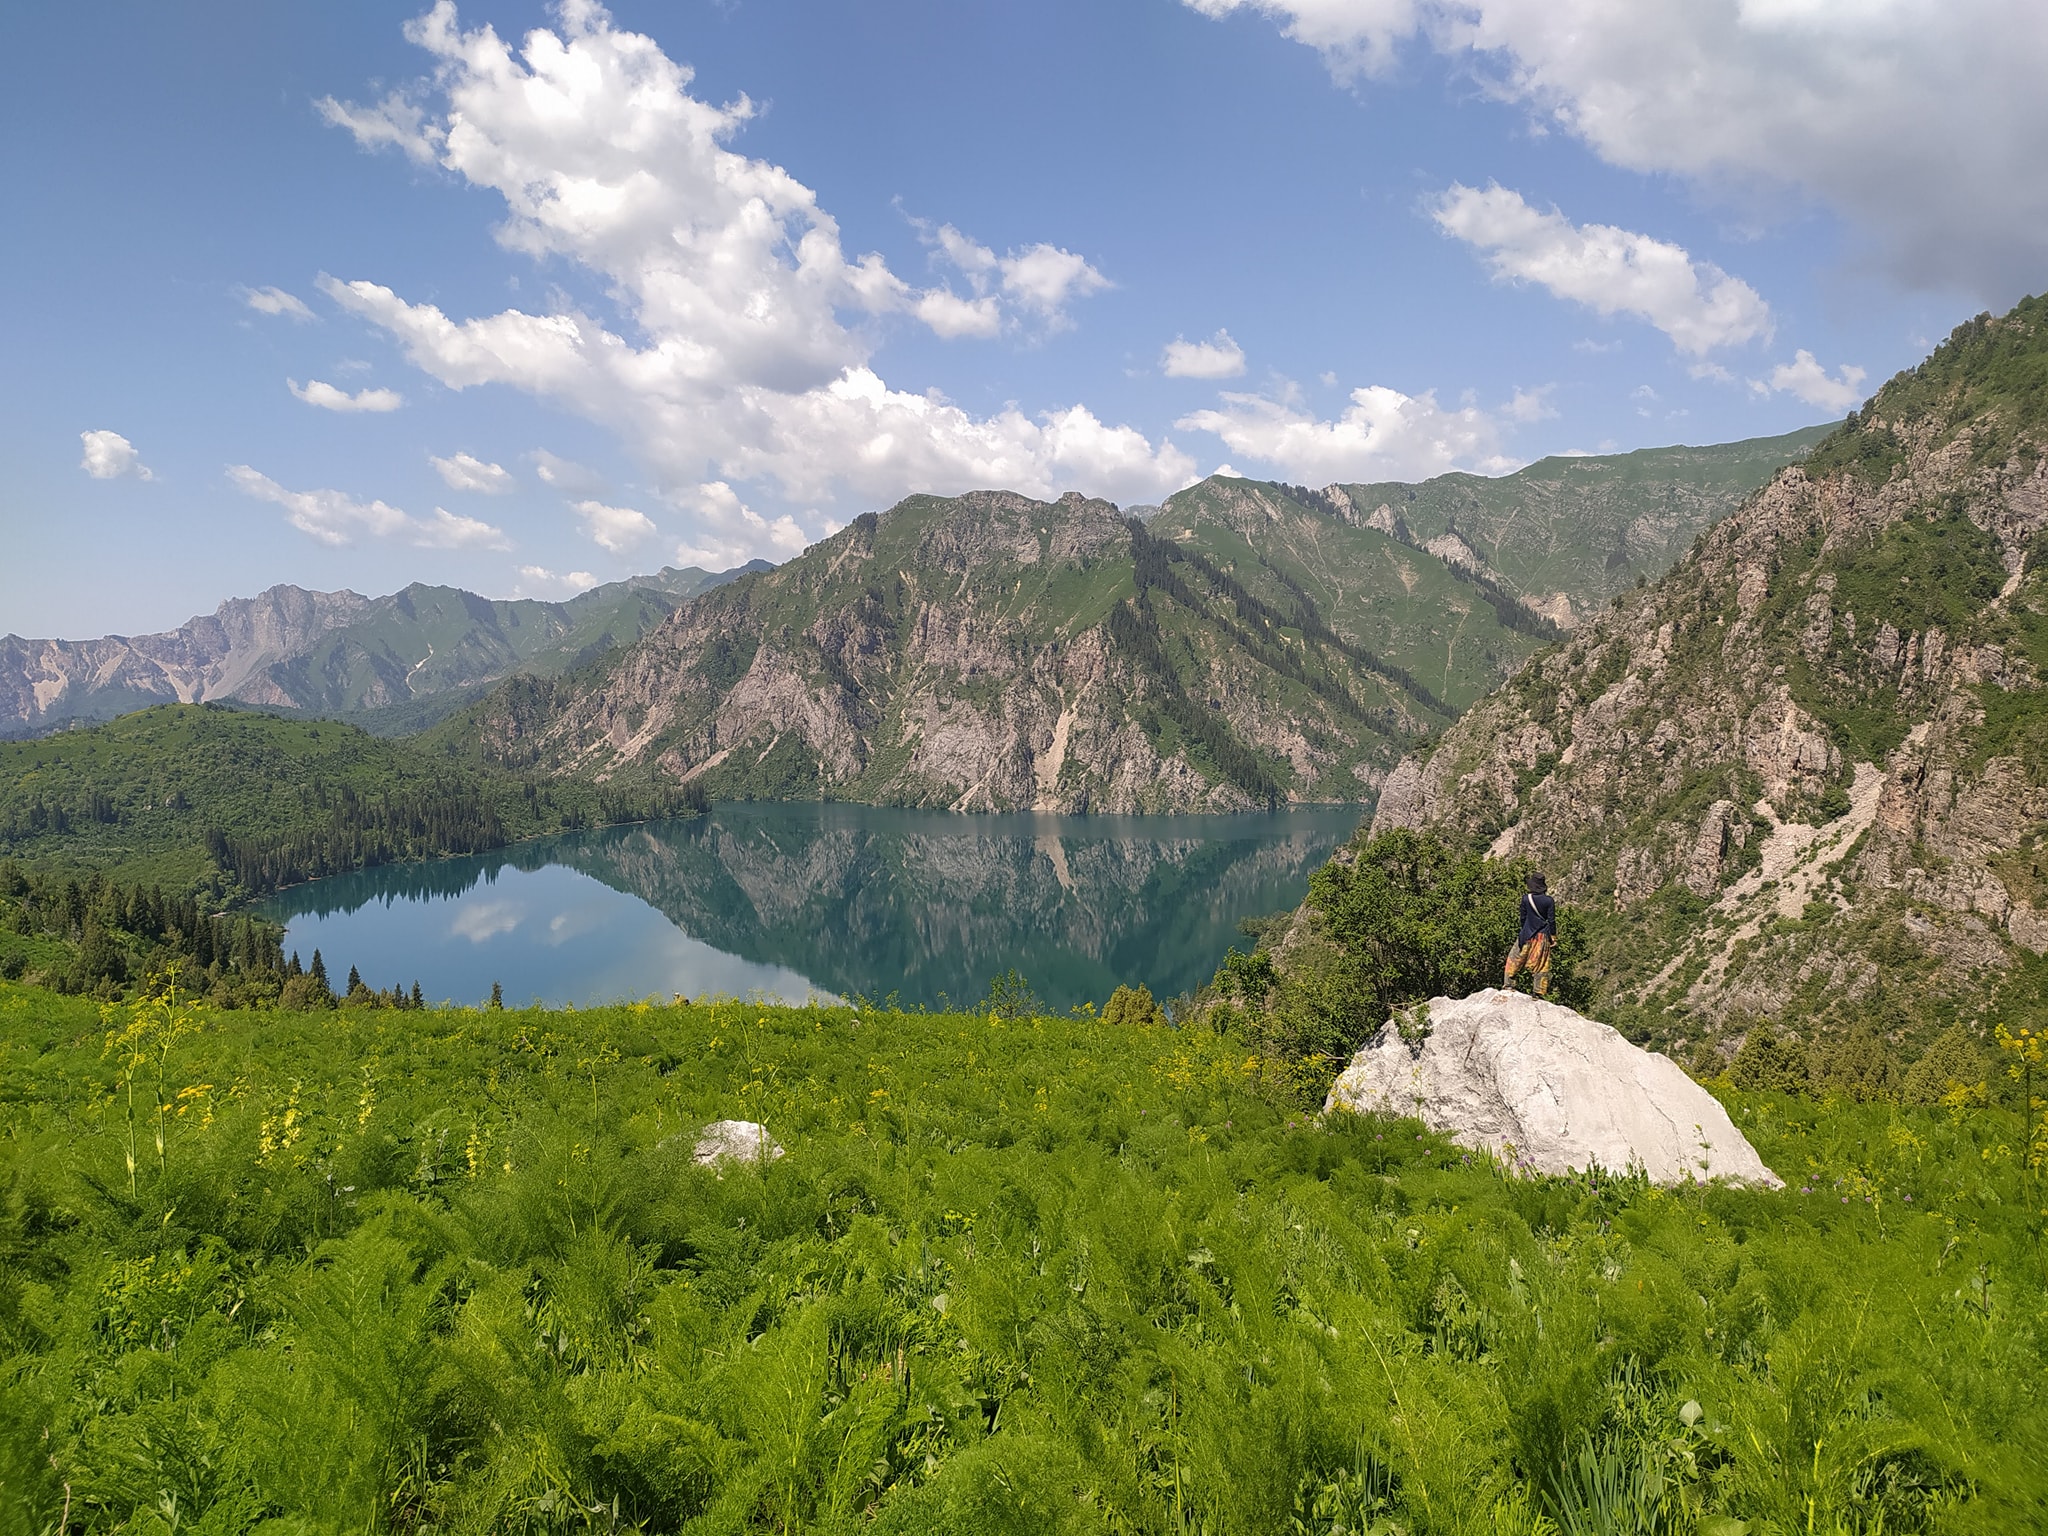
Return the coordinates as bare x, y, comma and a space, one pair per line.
1806, 774
229, 803
1455, 631
1248, 642
979, 652
1580, 529
392, 663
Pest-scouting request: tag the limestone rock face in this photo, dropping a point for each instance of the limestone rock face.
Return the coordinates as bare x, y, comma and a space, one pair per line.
736, 1141
1550, 1089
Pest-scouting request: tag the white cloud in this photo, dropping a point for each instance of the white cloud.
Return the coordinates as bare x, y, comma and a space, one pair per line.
275, 301
328, 398
1217, 358
751, 372
1919, 122
1382, 435
336, 518
616, 529
110, 456
951, 316
1041, 280
1804, 379
552, 584
393, 123
1609, 270
565, 474
730, 530
1533, 404
465, 472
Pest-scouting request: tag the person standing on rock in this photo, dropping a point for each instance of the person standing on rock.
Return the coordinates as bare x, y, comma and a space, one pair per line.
1537, 938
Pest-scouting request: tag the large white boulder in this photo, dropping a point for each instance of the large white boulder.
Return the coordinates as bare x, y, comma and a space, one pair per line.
736, 1141
1548, 1089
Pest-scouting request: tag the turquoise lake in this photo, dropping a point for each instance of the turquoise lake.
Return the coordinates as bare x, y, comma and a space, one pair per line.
794, 901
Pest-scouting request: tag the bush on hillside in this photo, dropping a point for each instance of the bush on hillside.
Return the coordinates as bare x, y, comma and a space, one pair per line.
1953, 1068
1768, 1063
1132, 1005
1393, 920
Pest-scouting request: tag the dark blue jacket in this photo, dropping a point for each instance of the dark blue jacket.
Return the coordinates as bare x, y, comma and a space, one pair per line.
1539, 915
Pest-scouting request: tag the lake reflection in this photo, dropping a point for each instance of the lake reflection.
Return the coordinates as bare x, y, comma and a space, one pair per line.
798, 900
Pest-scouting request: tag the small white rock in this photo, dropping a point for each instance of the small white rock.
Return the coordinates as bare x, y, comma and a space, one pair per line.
736, 1141
1550, 1089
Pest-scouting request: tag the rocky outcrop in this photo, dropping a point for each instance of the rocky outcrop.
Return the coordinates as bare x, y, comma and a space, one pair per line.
990, 652
1827, 723
1546, 1090
735, 1141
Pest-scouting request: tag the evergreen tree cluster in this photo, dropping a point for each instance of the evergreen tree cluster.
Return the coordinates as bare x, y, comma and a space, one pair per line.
360, 832
107, 935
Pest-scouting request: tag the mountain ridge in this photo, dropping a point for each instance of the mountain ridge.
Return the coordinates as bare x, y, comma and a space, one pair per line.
337, 654
1247, 642
1804, 774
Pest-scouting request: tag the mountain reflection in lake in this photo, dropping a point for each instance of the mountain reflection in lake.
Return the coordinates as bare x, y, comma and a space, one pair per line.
791, 900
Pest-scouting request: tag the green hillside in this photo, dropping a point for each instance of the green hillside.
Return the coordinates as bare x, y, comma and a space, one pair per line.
458, 1271
421, 654
1801, 781
1456, 632
392, 664
1588, 526
199, 797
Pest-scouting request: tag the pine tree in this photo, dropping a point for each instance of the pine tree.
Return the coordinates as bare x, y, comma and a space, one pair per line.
295, 968
318, 971
497, 995
355, 980
418, 1001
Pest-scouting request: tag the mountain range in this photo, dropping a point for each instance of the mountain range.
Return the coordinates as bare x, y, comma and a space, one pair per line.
391, 663
1806, 773
1245, 643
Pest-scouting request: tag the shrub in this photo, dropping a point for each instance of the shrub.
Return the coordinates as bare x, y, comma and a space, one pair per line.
1767, 1063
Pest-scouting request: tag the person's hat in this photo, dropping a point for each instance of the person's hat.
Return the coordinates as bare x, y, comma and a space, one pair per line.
1538, 884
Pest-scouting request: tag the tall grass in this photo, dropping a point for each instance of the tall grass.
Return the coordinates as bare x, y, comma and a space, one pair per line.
458, 1271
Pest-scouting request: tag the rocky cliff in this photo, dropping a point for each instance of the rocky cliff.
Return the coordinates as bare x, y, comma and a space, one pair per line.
1807, 771
1246, 643
981, 652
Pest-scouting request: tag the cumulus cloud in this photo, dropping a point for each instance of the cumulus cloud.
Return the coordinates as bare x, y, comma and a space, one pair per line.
336, 518
329, 398
1382, 435
1920, 123
748, 365
728, 529
1039, 280
275, 301
1533, 404
1804, 379
465, 472
951, 316
1217, 358
616, 529
110, 456
1609, 270
539, 581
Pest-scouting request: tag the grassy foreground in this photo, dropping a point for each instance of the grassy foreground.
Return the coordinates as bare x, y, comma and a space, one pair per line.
456, 1271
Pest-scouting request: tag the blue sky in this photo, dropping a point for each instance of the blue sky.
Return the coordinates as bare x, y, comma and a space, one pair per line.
355, 296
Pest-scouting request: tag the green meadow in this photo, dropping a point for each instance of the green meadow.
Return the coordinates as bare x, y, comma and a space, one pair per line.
373, 1270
